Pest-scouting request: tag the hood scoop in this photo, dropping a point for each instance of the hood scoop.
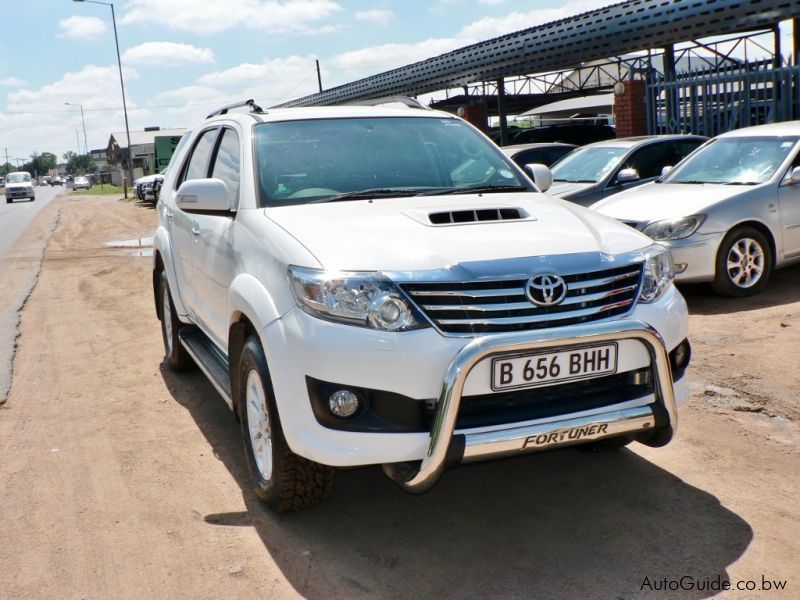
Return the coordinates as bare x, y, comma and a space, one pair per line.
477, 215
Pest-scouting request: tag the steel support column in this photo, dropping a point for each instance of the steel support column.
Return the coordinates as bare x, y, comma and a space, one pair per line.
501, 111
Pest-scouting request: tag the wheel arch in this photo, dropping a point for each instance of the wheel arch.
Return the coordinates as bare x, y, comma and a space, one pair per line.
163, 261
764, 230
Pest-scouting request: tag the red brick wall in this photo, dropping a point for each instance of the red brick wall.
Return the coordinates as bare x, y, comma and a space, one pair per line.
475, 114
629, 109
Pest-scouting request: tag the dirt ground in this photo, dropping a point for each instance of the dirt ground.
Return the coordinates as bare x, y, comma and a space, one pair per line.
120, 479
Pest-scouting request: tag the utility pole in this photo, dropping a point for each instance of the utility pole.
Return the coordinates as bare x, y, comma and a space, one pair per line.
319, 77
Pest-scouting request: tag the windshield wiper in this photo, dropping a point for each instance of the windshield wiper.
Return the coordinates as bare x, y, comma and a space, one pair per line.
741, 183
479, 189
366, 194
690, 181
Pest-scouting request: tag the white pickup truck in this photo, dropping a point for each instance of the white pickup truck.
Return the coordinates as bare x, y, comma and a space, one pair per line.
378, 285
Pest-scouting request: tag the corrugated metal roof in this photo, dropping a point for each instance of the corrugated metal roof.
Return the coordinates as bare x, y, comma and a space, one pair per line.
140, 138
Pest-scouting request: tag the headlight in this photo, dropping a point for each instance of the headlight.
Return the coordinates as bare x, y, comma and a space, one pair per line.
658, 273
674, 229
355, 298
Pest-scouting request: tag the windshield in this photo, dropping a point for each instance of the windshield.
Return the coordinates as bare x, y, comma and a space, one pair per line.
322, 159
588, 165
735, 160
18, 177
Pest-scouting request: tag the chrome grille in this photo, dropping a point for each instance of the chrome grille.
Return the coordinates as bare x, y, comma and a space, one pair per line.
501, 305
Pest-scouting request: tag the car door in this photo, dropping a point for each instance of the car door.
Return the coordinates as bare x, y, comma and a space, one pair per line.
647, 161
789, 203
181, 223
214, 256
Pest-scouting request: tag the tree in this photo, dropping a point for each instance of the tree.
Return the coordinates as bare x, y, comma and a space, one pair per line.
40, 164
79, 164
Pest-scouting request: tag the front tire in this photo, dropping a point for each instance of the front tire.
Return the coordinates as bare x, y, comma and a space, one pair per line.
175, 354
744, 263
284, 481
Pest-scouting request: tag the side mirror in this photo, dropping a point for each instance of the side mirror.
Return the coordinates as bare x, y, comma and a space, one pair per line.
627, 175
541, 175
203, 195
794, 177
665, 170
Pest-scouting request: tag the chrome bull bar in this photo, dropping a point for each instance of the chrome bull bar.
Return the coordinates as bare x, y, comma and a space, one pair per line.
660, 417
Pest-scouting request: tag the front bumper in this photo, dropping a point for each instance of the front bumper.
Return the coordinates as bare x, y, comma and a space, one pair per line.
695, 257
415, 364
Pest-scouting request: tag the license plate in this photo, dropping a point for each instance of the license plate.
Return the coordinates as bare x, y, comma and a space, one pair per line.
530, 370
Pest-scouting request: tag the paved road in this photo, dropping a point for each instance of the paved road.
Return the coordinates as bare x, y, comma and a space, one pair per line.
15, 217
17, 277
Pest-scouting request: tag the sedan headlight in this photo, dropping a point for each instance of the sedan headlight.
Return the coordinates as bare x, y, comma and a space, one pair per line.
356, 298
674, 229
658, 273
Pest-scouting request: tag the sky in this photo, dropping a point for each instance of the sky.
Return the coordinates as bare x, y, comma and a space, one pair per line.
183, 58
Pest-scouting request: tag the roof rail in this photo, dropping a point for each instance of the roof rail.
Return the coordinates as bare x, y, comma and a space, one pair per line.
224, 110
409, 102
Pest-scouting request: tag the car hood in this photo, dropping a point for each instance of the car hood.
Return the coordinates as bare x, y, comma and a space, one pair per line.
396, 234
566, 188
146, 179
654, 201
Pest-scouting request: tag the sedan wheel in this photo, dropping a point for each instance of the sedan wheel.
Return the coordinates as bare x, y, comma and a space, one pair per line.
744, 263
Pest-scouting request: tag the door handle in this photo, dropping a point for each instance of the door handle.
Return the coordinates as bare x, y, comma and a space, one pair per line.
196, 230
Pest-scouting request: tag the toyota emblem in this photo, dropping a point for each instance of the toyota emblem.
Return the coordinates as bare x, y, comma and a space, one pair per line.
546, 289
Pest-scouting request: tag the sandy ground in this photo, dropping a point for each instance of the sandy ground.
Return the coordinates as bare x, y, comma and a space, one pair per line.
120, 479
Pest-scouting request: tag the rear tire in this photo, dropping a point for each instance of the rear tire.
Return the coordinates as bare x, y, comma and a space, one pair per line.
175, 354
744, 263
284, 481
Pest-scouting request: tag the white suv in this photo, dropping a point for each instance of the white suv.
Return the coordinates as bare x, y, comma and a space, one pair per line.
382, 286
19, 185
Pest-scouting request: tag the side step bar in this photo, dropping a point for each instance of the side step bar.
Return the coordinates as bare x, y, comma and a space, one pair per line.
210, 359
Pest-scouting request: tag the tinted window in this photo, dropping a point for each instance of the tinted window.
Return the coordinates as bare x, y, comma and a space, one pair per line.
226, 164
649, 161
197, 168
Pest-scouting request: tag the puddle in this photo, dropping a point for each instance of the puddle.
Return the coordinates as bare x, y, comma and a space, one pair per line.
143, 242
145, 252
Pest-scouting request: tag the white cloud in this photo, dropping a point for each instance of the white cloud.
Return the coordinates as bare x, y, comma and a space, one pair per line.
12, 82
490, 27
209, 16
87, 28
39, 119
167, 54
384, 17
389, 56
491, 2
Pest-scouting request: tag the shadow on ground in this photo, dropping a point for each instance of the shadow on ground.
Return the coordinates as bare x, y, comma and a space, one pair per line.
592, 525
782, 288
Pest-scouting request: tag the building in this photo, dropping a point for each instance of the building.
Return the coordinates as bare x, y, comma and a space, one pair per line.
143, 151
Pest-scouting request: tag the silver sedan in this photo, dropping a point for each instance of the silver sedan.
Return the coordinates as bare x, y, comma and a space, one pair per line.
730, 212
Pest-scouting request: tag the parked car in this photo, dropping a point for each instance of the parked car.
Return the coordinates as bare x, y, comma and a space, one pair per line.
145, 187
577, 133
730, 212
375, 285
81, 183
606, 168
55, 181
19, 185
542, 154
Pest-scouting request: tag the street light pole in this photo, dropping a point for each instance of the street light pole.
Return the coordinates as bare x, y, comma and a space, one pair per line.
121, 84
83, 121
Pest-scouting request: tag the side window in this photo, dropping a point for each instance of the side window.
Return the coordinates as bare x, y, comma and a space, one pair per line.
649, 161
226, 164
683, 148
197, 166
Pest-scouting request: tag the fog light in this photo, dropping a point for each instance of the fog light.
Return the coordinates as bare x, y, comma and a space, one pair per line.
681, 355
680, 267
344, 403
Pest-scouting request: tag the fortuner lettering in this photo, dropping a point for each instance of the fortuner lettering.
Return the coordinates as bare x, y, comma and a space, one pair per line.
574, 434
